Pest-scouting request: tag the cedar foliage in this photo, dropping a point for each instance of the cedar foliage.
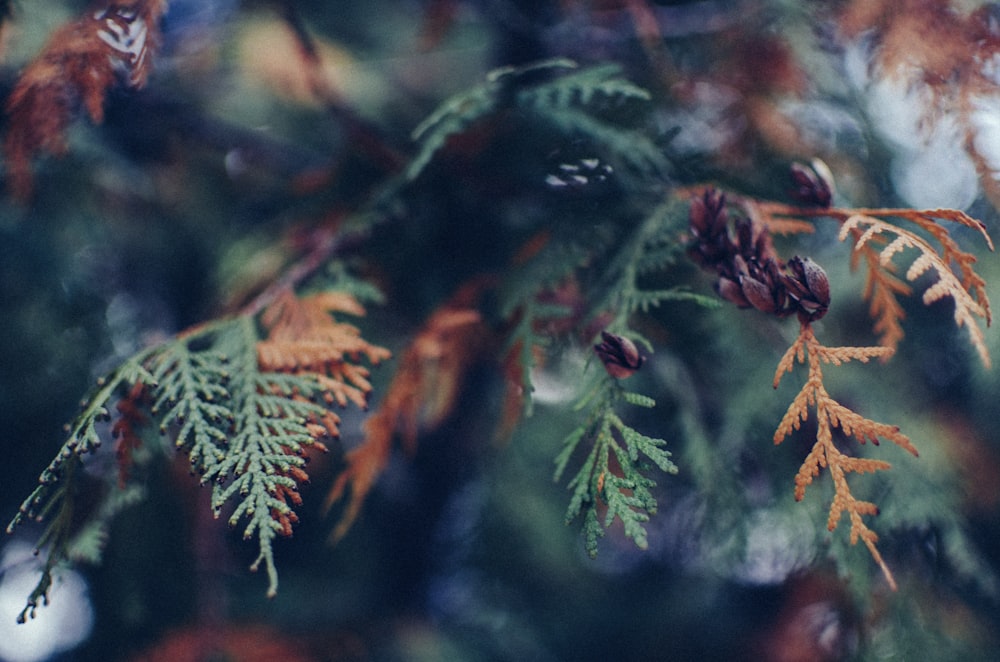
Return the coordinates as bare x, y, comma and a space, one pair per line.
245, 409
82, 61
581, 222
752, 276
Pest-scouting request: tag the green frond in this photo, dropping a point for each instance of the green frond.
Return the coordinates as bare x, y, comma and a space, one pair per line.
244, 431
456, 115
602, 83
622, 487
623, 146
83, 437
643, 300
638, 399
569, 445
459, 112
639, 445
556, 262
54, 499
592, 532
658, 258
657, 231
572, 101
633, 511
525, 339
583, 484
64, 538
268, 434
191, 396
87, 545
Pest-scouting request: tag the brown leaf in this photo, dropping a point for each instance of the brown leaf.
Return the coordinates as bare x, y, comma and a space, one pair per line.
80, 63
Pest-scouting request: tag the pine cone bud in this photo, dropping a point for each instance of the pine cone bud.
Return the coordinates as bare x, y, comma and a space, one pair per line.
809, 286
813, 185
758, 294
708, 213
709, 226
762, 284
619, 355
731, 291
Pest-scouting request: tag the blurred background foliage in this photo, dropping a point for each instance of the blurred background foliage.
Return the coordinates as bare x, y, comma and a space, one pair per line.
203, 185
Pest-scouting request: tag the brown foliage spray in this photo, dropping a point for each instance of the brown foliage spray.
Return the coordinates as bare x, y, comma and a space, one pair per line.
81, 62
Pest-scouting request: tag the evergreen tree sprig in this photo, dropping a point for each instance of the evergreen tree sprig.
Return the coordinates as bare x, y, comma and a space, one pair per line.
571, 101
462, 110
263, 461
244, 409
54, 499
613, 476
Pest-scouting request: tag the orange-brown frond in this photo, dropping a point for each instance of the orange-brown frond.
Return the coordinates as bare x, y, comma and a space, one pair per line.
883, 290
290, 316
971, 281
795, 353
840, 355
774, 217
796, 414
863, 465
125, 430
303, 337
337, 389
423, 393
814, 462
365, 464
80, 63
432, 369
926, 220
863, 429
966, 288
878, 242
285, 515
831, 414
302, 333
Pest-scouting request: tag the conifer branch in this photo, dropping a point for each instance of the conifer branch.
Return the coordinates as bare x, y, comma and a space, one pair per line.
541, 298
54, 499
651, 248
191, 399
751, 275
877, 242
245, 410
831, 414
526, 345
883, 290
307, 359
570, 101
966, 288
247, 398
611, 478
545, 299
459, 112
82, 438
